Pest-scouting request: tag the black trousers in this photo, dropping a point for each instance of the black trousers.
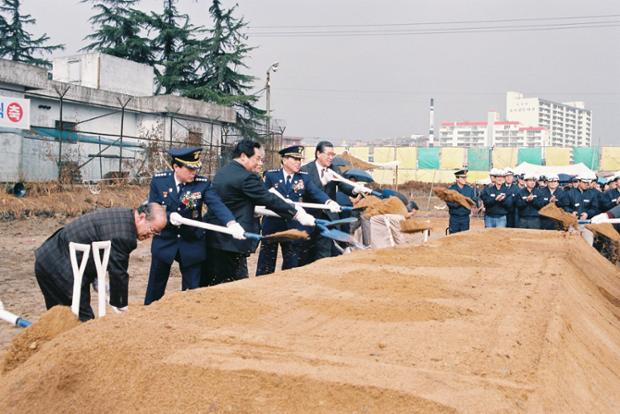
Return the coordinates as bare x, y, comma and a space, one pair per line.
316, 248
160, 272
222, 267
269, 253
457, 224
55, 292
529, 223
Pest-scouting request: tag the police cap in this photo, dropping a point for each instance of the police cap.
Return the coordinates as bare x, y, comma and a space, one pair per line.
295, 151
461, 173
187, 156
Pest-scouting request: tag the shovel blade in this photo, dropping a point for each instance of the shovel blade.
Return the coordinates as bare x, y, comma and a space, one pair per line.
338, 222
338, 235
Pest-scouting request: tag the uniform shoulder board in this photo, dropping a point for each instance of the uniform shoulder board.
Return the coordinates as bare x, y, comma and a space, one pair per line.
303, 172
200, 178
272, 171
162, 174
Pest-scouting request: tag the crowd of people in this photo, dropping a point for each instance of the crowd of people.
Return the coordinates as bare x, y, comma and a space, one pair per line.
514, 200
240, 191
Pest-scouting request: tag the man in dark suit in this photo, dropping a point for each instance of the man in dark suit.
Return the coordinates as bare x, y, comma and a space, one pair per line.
184, 192
294, 185
122, 226
241, 189
318, 247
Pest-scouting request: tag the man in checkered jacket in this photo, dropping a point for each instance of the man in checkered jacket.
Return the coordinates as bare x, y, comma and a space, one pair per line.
122, 226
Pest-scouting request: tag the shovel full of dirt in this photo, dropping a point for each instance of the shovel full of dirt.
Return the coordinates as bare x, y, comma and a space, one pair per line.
555, 213
452, 196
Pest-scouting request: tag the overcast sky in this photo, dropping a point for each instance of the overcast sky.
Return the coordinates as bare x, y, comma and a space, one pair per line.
379, 86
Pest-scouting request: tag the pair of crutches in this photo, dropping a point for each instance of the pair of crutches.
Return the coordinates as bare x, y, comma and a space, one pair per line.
101, 265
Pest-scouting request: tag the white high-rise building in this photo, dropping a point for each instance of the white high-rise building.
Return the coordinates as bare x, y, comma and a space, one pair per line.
491, 133
569, 123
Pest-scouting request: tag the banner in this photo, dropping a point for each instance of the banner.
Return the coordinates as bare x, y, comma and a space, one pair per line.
557, 156
428, 158
452, 158
14, 112
478, 159
587, 156
530, 155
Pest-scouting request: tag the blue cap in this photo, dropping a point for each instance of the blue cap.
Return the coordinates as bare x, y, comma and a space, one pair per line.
188, 156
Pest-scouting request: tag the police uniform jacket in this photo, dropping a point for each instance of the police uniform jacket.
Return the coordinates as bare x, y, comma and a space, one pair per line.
513, 193
527, 209
241, 191
609, 199
582, 201
114, 224
494, 208
187, 241
455, 209
301, 186
544, 195
331, 188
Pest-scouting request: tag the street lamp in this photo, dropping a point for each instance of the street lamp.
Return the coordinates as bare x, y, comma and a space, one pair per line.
273, 68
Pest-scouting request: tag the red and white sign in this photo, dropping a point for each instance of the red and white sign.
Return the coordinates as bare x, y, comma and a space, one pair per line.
14, 112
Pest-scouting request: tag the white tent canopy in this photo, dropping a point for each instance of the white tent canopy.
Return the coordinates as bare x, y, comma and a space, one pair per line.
572, 169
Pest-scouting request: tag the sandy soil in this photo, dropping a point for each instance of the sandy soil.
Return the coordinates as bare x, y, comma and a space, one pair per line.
21, 295
485, 321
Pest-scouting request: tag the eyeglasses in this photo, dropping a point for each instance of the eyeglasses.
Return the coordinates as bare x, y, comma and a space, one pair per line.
152, 230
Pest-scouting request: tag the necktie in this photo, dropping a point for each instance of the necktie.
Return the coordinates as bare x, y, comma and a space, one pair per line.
180, 187
288, 183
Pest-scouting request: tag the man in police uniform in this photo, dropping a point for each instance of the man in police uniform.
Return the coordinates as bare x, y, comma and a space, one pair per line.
294, 185
512, 192
184, 192
459, 215
551, 193
583, 200
496, 200
526, 204
611, 197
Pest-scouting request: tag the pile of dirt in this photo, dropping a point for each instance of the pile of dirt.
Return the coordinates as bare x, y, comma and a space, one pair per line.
375, 206
453, 196
553, 212
411, 225
52, 323
291, 234
71, 201
500, 320
606, 230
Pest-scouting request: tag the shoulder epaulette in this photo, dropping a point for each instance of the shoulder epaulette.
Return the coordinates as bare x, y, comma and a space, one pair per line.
162, 174
269, 171
303, 172
200, 178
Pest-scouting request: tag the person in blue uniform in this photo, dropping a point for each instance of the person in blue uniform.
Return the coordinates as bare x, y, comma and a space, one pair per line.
496, 201
183, 191
611, 197
459, 215
526, 205
294, 185
583, 200
512, 192
551, 193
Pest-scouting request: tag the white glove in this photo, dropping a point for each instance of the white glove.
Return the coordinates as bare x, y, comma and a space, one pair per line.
304, 218
237, 230
599, 218
359, 189
333, 206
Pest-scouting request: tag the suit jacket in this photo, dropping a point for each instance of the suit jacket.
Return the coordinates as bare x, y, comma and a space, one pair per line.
186, 241
331, 188
241, 191
114, 224
301, 186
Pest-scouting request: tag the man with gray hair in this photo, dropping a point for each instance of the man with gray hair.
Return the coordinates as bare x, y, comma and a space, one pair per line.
122, 226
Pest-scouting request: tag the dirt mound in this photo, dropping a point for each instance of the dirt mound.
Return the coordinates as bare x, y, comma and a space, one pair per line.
454, 197
415, 226
458, 324
374, 206
54, 322
604, 229
555, 213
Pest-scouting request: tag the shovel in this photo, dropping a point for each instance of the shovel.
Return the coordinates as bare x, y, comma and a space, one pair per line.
323, 226
12, 318
176, 219
337, 177
610, 221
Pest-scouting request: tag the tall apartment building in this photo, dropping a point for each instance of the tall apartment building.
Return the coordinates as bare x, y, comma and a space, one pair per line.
569, 123
492, 132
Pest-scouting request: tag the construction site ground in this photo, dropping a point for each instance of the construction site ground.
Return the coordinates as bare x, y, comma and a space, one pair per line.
499, 320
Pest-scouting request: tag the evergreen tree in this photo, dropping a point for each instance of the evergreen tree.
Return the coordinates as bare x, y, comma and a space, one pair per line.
218, 77
118, 28
174, 47
19, 45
